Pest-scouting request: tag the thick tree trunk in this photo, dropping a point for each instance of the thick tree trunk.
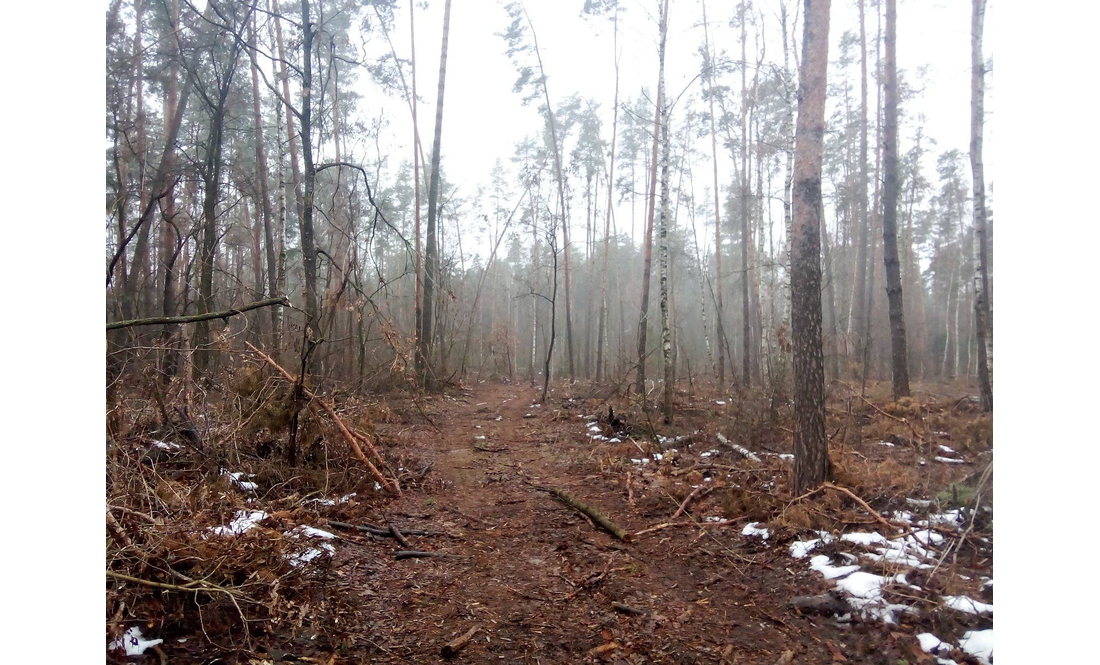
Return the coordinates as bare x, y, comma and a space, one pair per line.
899, 355
811, 460
430, 251
983, 317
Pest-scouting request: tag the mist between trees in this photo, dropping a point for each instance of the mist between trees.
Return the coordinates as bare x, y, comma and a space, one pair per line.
243, 165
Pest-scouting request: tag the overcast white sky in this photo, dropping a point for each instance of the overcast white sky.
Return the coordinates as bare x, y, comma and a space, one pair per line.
484, 119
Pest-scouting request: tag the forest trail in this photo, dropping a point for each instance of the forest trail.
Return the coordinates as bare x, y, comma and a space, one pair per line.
540, 579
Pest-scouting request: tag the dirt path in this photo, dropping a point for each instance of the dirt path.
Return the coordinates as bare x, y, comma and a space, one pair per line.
540, 580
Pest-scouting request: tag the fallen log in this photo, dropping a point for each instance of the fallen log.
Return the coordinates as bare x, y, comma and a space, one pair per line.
597, 517
451, 649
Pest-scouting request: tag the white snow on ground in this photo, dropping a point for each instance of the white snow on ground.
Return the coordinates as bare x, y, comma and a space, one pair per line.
133, 642
644, 460
950, 460
919, 503
751, 529
978, 643
886, 443
950, 517
929, 643
968, 605
708, 453
800, 549
594, 428
235, 478
821, 564
867, 539
719, 402
164, 445
946, 449
717, 520
242, 521
332, 502
310, 532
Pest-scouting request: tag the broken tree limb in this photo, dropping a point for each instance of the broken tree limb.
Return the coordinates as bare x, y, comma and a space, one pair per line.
744, 452
409, 554
195, 318
451, 649
697, 493
627, 609
597, 517
398, 537
390, 484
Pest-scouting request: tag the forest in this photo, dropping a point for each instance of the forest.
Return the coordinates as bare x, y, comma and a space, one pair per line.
381, 385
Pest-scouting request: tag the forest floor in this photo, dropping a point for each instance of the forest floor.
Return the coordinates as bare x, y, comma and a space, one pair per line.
543, 583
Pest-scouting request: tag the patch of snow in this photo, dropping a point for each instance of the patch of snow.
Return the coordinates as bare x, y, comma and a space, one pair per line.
950, 460
946, 449
950, 517
242, 521
480, 437
644, 460
919, 503
165, 445
866, 539
615, 440
708, 479
592, 424
594, 428
978, 643
752, 530
822, 564
968, 605
988, 583
929, 643
235, 478
886, 443
377, 487
719, 402
708, 453
499, 418
133, 642
658, 456
903, 516
786, 456
312, 553
717, 520
923, 461
331, 502
800, 549
310, 532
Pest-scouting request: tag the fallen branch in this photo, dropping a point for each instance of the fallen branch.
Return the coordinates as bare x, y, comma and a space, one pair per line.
596, 516
627, 609
451, 649
375, 530
836, 488
697, 493
408, 554
194, 318
398, 537
391, 485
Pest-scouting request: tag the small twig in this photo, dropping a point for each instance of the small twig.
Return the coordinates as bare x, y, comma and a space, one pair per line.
398, 537
627, 609
451, 649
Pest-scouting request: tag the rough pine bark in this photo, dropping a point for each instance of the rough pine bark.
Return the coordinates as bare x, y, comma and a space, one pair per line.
983, 318
860, 294
898, 353
262, 175
810, 444
720, 334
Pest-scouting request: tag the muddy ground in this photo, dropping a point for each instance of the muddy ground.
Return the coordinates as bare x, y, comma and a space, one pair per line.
540, 581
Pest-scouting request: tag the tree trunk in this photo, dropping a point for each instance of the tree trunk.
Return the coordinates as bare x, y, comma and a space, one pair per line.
666, 148
746, 235
811, 461
859, 298
983, 317
290, 134
647, 262
430, 258
602, 324
899, 355
720, 334
305, 227
265, 194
